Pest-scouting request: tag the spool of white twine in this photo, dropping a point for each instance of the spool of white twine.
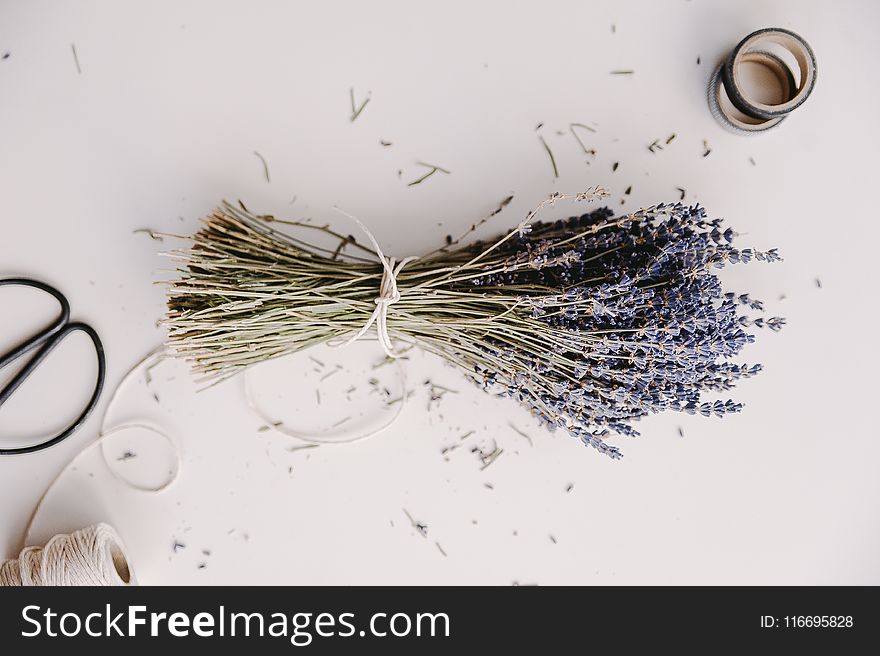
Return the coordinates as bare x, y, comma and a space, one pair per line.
93, 556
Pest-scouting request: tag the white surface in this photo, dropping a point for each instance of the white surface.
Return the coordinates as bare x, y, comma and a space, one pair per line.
162, 123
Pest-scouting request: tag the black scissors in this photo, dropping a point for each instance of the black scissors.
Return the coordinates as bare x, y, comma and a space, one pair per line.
46, 340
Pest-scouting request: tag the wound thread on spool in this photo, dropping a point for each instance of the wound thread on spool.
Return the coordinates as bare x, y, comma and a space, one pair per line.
93, 556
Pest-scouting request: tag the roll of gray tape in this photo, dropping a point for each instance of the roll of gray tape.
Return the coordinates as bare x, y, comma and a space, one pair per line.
734, 108
729, 117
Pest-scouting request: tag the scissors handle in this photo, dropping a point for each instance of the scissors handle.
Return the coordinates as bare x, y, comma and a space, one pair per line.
47, 339
32, 342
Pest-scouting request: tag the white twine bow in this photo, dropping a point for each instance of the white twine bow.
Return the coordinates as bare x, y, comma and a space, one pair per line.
388, 294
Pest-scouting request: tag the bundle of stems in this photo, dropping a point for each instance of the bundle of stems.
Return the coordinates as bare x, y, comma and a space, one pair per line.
590, 322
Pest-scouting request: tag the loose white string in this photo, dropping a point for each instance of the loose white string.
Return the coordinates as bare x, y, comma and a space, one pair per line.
153, 357
149, 361
312, 437
389, 294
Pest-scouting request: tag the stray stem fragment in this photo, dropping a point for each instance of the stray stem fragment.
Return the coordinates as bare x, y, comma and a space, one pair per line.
552, 159
147, 231
572, 126
521, 433
265, 165
357, 112
76, 58
421, 528
427, 175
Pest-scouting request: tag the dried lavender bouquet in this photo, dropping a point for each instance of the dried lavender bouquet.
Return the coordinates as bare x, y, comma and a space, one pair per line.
591, 322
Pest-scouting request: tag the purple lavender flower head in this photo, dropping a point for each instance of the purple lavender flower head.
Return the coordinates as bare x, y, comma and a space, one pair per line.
634, 319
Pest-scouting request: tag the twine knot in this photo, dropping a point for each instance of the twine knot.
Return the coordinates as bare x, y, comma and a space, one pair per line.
389, 294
